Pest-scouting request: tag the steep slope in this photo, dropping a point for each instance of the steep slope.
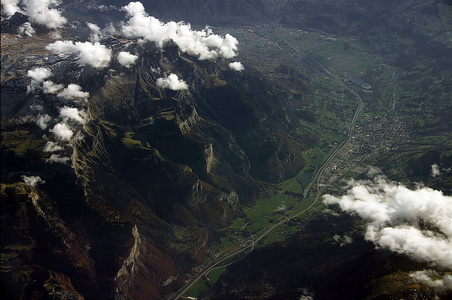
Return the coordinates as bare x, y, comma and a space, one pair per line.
128, 205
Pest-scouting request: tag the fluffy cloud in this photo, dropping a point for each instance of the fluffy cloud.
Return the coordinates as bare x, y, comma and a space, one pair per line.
55, 158
52, 147
43, 121
236, 66
36, 107
342, 240
73, 91
10, 7
93, 54
433, 279
37, 76
43, 12
103, 7
95, 32
33, 181
229, 46
172, 82
126, 59
56, 35
435, 170
417, 222
49, 87
110, 29
72, 113
62, 131
202, 43
26, 29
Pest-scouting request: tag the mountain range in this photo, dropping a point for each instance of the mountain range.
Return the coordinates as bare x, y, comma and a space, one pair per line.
126, 151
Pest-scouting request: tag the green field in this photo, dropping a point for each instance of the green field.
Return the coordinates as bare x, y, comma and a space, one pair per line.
268, 205
291, 185
215, 274
200, 286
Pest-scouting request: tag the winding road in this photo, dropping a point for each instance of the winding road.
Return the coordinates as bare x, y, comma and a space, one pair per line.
236, 249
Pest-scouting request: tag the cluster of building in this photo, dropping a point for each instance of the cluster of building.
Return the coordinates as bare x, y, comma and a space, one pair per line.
372, 135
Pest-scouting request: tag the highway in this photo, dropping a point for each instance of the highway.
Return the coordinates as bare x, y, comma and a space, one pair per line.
303, 58
236, 249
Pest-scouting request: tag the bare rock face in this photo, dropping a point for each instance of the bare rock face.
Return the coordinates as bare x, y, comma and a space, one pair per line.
125, 206
40, 250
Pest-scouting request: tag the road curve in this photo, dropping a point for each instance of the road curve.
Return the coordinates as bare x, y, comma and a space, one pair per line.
315, 179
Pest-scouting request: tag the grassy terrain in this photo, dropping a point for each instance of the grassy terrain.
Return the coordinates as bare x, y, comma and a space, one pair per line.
215, 274
268, 205
21, 141
200, 286
291, 185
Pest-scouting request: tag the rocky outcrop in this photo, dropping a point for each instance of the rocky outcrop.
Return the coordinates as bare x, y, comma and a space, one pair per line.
126, 275
41, 250
144, 165
210, 158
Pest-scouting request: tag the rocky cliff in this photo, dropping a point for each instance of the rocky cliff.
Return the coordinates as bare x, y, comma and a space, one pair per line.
126, 205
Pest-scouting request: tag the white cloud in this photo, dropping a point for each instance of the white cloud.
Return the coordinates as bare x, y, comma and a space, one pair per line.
236, 66
143, 26
435, 170
26, 29
52, 147
229, 46
126, 59
95, 32
62, 131
43, 120
55, 158
110, 29
72, 113
343, 240
56, 35
32, 181
43, 12
62, 47
36, 107
202, 43
433, 279
172, 82
93, 54
51, 88
156, 71
395, 215
103, 7
73, 91
10, 7
39, 74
